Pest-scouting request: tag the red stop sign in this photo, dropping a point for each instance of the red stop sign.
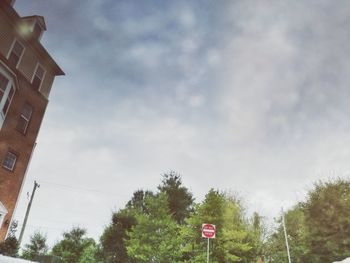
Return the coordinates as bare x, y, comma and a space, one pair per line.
208, 230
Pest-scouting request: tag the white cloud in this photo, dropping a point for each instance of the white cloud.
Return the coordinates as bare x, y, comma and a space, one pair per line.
254, 100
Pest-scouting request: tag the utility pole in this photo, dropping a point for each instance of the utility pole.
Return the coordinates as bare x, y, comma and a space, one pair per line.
36, 185
285, 236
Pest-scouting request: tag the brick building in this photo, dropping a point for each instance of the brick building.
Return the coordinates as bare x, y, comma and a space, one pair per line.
27, 72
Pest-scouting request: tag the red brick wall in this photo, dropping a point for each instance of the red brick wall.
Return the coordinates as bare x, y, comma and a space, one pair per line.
22, 145
10, 138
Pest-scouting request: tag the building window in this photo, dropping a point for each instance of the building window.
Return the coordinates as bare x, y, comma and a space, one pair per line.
3, 212
7, 92
9, 161
38, 77
15, 54
8, 100
3, 85
24, 118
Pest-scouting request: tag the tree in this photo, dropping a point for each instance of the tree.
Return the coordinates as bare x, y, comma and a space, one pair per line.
257, 235
72, 246
232, 242
36, 247
297, 238
155, 237
319, 228
113, 239
10, 246
179, 198
327, 218
113, 248
137, 203
89, 255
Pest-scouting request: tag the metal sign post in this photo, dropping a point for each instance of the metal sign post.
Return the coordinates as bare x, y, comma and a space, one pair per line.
208, 251
208, 232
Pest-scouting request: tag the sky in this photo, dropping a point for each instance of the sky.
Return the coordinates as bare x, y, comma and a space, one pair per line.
250, 97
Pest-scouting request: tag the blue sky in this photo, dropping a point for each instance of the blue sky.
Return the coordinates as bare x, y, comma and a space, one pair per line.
245, 96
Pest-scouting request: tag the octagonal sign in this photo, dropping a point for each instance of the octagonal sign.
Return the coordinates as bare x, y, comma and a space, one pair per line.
208, 230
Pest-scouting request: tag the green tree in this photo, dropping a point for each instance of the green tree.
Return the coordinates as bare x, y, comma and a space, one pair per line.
232, 242
179, 198
257, 235
90, 255
10, 246
36, 247
155, 237
297, 238
72, 246
327, 218
113, 239
138, 202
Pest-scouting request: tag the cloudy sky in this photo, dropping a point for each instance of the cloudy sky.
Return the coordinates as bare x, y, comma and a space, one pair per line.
247, 96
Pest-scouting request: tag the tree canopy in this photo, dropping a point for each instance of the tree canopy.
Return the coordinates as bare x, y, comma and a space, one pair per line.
165, 226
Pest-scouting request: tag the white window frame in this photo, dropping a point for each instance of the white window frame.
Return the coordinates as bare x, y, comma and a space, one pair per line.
42, 80
26, 119
10, 85
10, 51
3, 213
13, 164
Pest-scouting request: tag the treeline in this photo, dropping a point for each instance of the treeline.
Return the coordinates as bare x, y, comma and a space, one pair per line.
165, 226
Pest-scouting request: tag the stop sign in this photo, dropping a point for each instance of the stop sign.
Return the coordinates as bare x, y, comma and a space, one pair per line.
208, 230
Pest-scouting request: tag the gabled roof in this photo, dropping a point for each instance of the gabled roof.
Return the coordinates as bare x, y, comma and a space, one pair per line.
3, 209
36, 45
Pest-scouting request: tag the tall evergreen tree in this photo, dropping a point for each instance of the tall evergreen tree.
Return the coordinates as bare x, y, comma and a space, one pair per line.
179, 197
113, 239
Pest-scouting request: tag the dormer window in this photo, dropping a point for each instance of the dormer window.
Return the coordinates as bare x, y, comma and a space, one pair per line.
16, 54
38, 77
32, 27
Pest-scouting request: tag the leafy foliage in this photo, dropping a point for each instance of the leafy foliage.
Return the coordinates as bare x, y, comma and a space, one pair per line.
233, 242
10, 246
37, 247
327, 218
114, 237
165, 226
89, 255
180, 200
318, 229
155, 237
297, 238
72, 246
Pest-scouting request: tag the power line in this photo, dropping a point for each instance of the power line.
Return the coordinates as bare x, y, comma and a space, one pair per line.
82, 189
